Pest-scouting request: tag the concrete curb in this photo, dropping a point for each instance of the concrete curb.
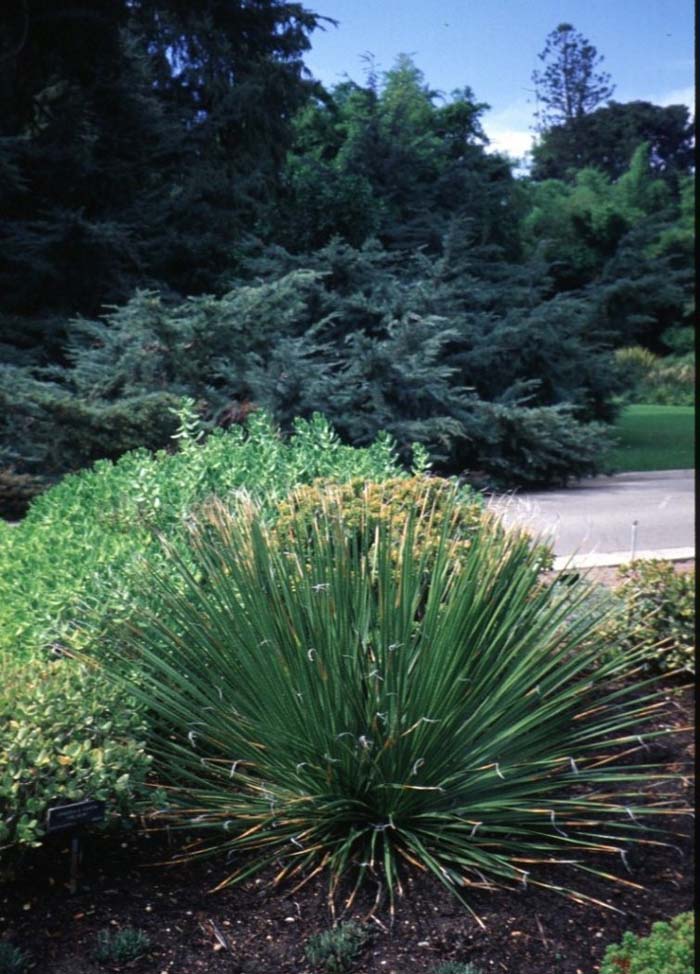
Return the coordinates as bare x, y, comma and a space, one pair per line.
612, 558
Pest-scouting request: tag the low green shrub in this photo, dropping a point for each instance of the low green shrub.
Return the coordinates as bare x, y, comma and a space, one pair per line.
75, 566
669, 949
65, 734
328, 708
540, 446
634, 362
335, 951
670, 383
657, 614
658, 380
121, 947
79, 552
12, 959
389, 502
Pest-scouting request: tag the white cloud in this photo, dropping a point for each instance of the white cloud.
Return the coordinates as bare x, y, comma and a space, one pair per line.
509, 129
514, 142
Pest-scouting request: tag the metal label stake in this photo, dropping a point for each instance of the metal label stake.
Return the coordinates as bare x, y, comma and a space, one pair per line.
71, 817
74, 862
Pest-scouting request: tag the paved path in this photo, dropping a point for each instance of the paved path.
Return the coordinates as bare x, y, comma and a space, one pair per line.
602, 519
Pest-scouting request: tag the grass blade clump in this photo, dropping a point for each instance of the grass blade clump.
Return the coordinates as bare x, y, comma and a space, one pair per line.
121, 947
12, 959
362, 704
335, 951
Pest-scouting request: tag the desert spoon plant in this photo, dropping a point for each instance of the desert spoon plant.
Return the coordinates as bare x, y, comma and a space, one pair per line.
325, 712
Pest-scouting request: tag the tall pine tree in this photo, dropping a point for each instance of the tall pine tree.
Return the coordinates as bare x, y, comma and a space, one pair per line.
569, 85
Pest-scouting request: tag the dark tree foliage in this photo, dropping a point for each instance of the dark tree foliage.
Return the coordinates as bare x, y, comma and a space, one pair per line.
581, 224
232, 71
139, 140
463, 353
569, 84
63, 89
646, 288
606, 139
395, 159
186, 213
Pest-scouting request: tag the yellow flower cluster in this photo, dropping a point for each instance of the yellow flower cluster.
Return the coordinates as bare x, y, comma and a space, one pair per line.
366, 505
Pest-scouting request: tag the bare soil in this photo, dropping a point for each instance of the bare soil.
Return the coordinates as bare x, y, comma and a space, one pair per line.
248, 930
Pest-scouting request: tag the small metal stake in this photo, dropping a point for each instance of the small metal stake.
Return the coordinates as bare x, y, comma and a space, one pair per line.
634, 539
74, 862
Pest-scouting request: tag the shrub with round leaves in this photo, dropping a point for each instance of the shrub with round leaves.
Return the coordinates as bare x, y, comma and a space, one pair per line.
65, 734
366, 706
657, 615
76, 560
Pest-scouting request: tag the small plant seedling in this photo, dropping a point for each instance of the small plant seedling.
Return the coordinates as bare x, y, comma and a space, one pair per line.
668, 949
12, 959
121, 947
454, 967
334, 951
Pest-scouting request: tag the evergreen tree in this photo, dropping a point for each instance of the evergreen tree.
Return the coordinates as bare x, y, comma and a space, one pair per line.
463, 353
606, 138
580, 224
356, 252
67, 96
140, 140
647, 286
396, 159
569, 86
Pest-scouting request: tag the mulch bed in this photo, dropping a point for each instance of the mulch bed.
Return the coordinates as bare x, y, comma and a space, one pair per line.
609, 575
528, 931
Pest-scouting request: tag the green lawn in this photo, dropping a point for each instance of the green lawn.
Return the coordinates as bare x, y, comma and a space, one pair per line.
654, 438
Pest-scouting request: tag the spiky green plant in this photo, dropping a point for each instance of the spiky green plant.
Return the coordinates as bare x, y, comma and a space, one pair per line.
335, 951
12, 959
322, 709
122, 946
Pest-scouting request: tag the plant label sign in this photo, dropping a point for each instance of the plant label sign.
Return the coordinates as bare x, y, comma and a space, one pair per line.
86, 812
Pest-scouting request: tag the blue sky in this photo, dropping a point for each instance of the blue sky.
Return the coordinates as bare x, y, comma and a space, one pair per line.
492, 46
